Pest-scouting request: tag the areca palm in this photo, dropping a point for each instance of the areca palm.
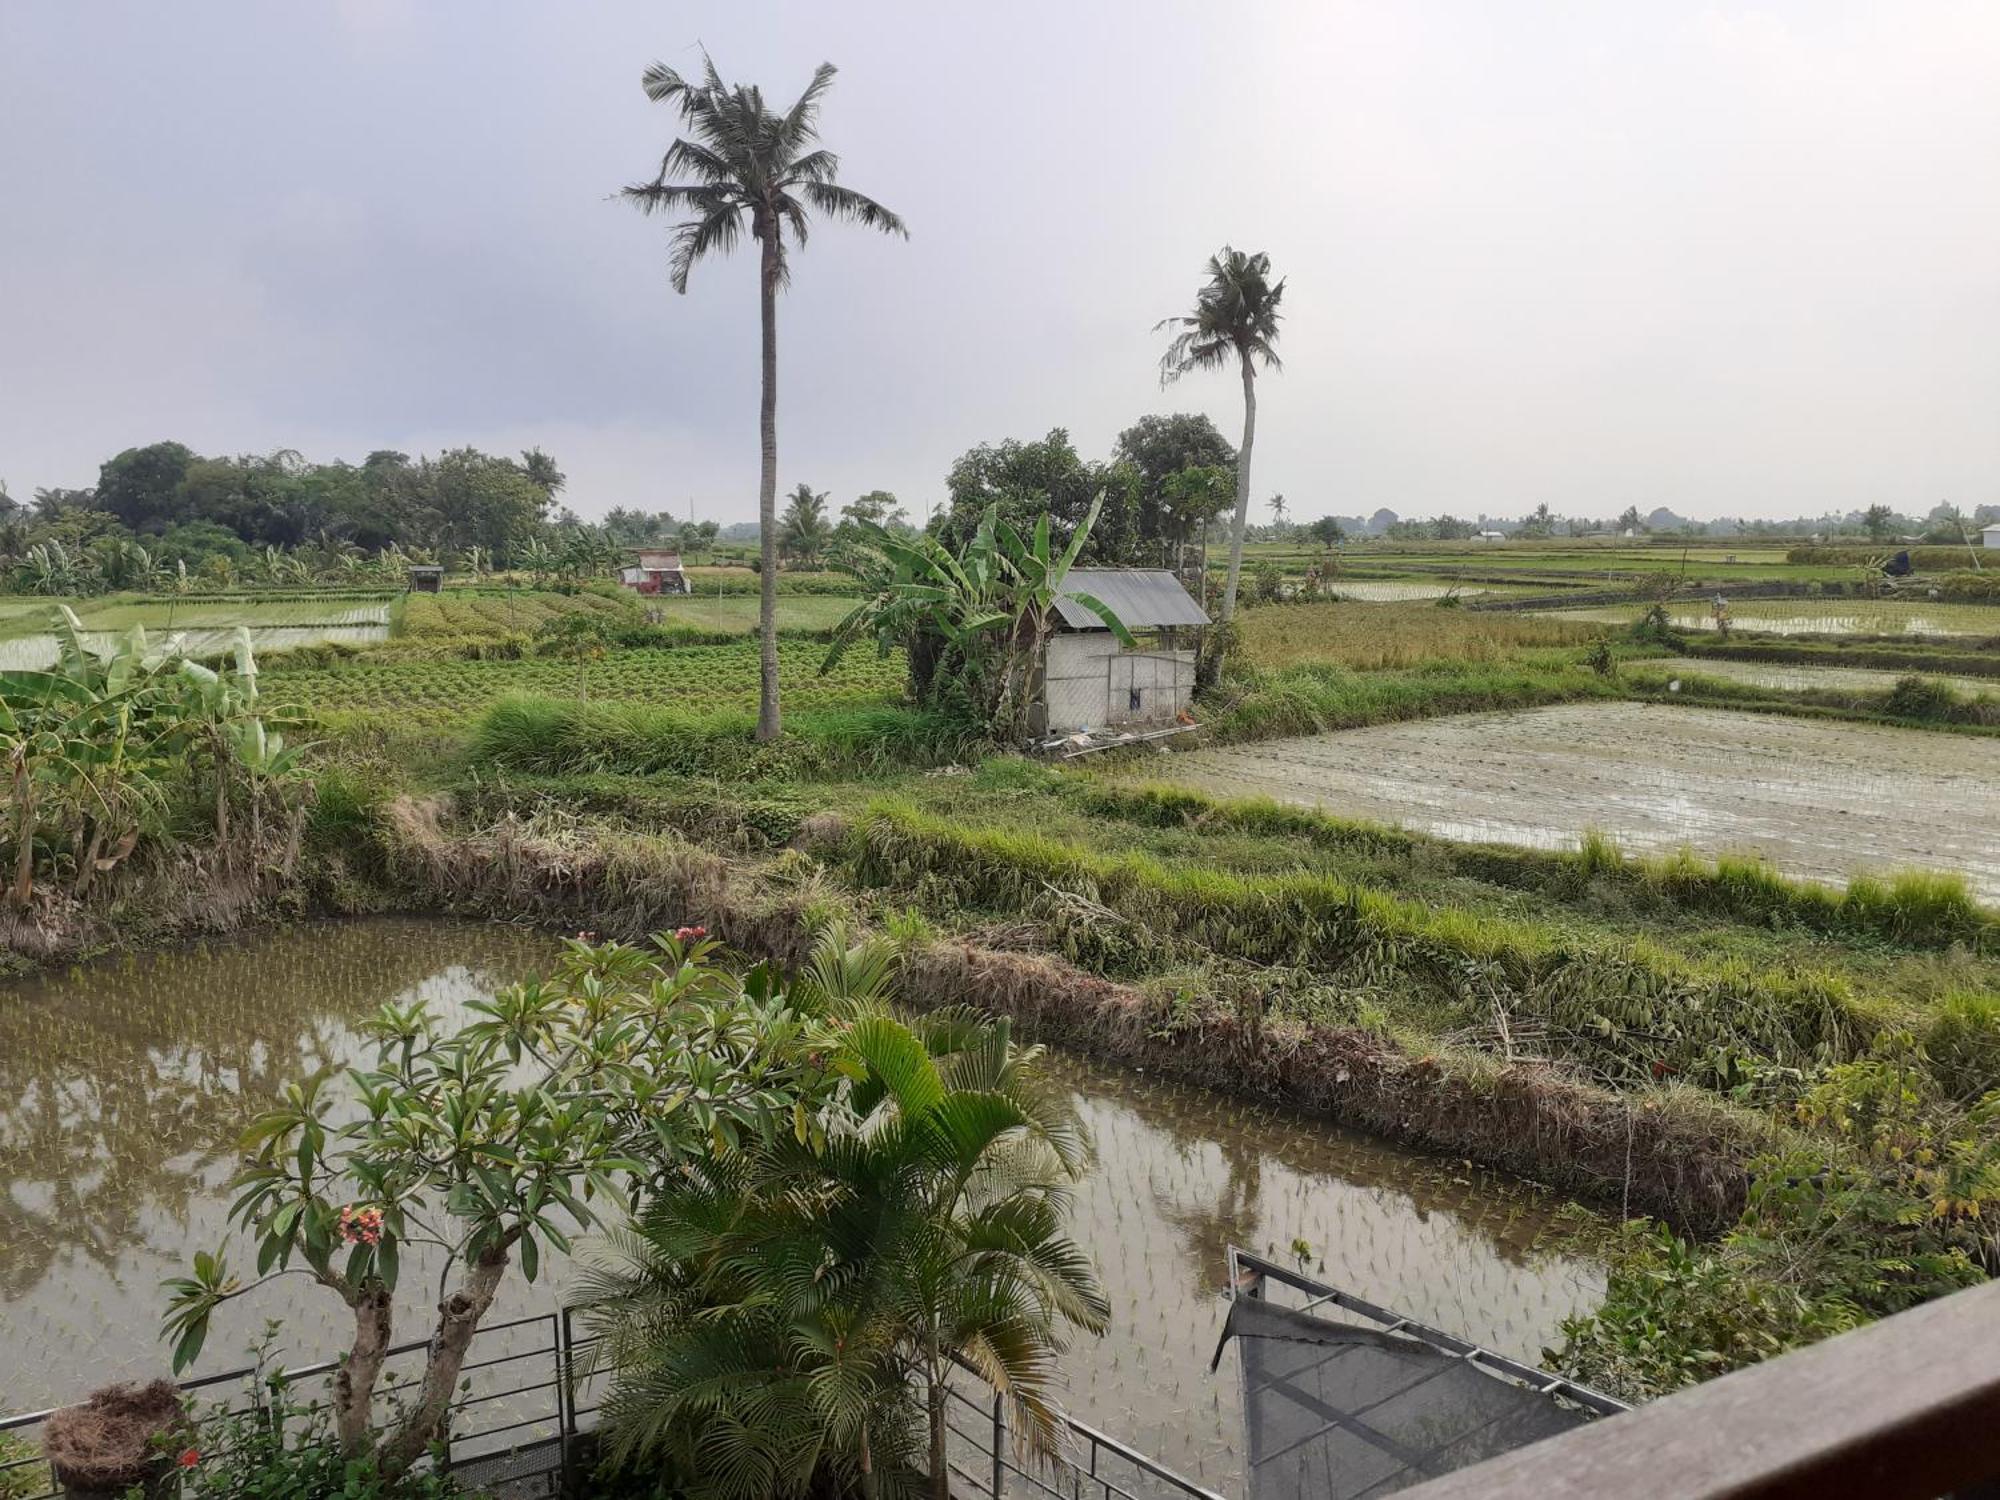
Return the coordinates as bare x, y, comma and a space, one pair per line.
765, 1316
745, 166
1235, 318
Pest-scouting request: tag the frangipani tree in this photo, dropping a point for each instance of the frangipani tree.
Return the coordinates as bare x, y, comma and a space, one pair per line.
497, 1143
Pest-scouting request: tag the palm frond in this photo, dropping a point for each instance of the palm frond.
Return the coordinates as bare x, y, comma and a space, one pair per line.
844, 203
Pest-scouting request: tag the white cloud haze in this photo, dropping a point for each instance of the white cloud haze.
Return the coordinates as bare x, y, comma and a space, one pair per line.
1730, 260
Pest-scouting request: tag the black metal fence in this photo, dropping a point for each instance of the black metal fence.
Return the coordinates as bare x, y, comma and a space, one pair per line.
528, 1399
511, 1431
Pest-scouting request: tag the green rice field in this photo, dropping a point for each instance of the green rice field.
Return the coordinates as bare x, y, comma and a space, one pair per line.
696, 678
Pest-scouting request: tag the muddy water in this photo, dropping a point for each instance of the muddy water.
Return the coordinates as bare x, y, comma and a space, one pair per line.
123, 1085
1820, 800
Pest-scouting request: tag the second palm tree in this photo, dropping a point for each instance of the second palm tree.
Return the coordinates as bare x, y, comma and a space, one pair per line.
1235, 317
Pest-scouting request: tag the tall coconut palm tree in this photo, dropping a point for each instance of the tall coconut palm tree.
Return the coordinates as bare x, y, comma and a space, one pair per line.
1235, 317
745, 165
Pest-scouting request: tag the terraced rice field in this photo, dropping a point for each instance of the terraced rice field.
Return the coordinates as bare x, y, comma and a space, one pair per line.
1819, 800
1815, 617
696, 678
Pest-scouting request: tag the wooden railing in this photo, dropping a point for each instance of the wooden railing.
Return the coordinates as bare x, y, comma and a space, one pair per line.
1904, 1409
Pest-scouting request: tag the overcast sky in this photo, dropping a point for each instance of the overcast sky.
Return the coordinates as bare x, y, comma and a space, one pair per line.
1731, 260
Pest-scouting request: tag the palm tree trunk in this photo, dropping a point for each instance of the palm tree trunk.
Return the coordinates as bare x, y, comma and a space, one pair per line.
767, 502
1242, 488
940, 1464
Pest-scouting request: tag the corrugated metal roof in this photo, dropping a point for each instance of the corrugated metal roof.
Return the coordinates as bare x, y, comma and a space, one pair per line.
1142, 598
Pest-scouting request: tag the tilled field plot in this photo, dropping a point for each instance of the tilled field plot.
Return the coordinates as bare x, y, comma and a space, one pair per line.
1819, 800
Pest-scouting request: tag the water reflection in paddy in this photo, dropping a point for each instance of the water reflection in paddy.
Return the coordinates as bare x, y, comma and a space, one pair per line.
123, 1086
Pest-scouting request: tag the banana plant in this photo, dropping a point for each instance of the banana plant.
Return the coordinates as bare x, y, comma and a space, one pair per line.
974, 622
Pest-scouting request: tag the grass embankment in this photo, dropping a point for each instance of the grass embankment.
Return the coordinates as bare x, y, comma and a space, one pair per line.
1682, 1160
1913, 702
1943, 659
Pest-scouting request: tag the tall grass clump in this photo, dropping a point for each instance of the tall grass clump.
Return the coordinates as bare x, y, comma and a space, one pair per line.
1914, 903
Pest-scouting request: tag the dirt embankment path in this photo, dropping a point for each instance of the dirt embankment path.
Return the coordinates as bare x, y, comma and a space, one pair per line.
1820, 800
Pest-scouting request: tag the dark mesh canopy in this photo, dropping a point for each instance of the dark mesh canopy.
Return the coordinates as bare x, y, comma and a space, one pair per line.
1337, 1412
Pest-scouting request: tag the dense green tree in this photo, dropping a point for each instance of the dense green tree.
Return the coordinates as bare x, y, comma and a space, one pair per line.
878, 507
141, 486
1023, 481
1235, 318
1161, 446
1189, 500
1878, 522
747, 167
1327, 531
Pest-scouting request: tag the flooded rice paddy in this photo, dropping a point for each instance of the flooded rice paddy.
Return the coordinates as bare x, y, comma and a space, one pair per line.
1819, 800
124, 1085
1803, 617
1789, 677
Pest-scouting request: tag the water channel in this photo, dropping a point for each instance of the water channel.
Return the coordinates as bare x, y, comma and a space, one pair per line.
124, 1084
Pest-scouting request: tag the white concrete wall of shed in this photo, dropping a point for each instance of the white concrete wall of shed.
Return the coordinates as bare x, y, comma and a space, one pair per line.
1090, 678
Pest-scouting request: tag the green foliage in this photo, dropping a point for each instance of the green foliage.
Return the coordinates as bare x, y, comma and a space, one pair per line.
102, 754
21, 1478
763, 1321
1025, 484
283, 1449
804, 531
1889, 1207
1161, 447
1675, 1313
1922, 909
1630, 1011
554, 737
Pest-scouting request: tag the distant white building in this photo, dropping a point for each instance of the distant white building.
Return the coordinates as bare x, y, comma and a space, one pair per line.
1990, 537
1489, 536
